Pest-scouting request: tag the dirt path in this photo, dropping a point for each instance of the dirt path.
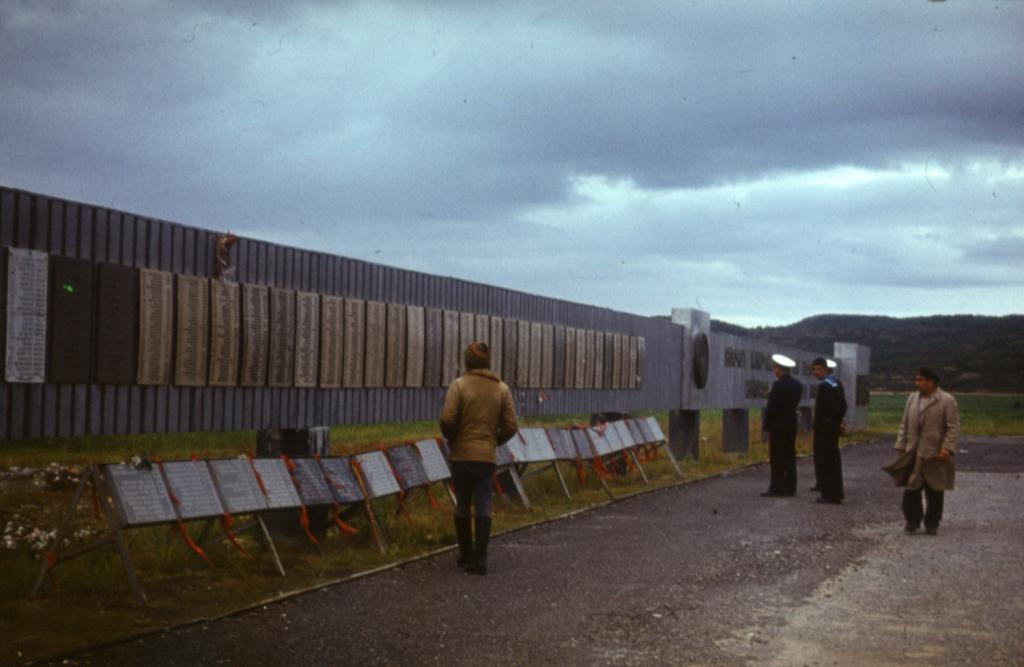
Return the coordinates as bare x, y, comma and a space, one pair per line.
708, 573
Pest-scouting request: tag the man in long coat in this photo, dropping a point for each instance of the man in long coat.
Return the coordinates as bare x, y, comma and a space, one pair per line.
829, 411
780, 424
926, 444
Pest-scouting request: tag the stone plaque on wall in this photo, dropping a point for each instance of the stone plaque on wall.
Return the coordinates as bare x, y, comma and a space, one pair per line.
433, 347
609, 360
332, 315
193, 331
414, 346
482, 329
616, 361
355, 332
307, 338
71, 309
547, 352
27, 279
394, 371
117, 319
589, 355
376, 339
497, 343
558, 358
523, 365
536, 353
450, 362
511, 356
631, 375
641, 344
225, 333
467, 334
156, 315
569, 379
255, 334
282, 337
581, 358
599, 360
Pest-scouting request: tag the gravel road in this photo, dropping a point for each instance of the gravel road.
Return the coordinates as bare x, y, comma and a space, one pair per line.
708, 573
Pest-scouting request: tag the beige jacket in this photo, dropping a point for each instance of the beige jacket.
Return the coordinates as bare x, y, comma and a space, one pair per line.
478, 415
928, 426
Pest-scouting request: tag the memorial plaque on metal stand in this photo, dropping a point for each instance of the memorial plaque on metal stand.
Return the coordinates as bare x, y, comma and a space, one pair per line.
516, 448
342, 481
558, 358
117, 321
583, 447
602, 446
467, 334
536, 353
273, 473
415, 345
193, 331
482, 329
332, 314
355, 337
645, 431
503, 456
191, 484
631, 373
450, 362
569, 378
71, 311
433, 460
511, 357
376, 338
255, 334
561, 443
610, 434
625, 435
497, 340
537, 446
225, 333
139, 494
156, 315
27, 280
310, 483
433, 347
397, 328
636, 432
581, 358
282, 338
380, 481
407, 463
655, 428
523, 365
307, 338
599, 360
237, 486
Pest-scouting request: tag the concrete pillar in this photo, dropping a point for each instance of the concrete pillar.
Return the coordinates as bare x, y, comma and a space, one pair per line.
806, 421
735, 431
854, 362
684, 433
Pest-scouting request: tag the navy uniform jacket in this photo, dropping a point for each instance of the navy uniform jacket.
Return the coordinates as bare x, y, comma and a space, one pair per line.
830, 404
783, 400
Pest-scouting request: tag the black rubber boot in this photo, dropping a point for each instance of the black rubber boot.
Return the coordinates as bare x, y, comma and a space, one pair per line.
482, 537
465, 538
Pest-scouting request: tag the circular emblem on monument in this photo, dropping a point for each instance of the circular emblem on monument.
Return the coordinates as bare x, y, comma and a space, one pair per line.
701, 356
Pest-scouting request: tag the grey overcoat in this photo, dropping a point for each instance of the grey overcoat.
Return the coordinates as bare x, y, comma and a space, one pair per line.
929, 425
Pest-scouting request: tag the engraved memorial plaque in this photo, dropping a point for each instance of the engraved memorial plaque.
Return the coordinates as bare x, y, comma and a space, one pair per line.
332, 315
558, 359
310, 483
433, 460
397, 327
450, 363
273, 473
467, 334
510, 360
516, 448
634, 430
602, 446
609, 360
599, 360
632, 371
582, 443
193, 323
415, 345
615, 443
547, 352
616, 361
645, 430
561, 444
340, 478
624, 435
156, 314
538, 447
225, 333
641, 345
282, 337
655, 428
407, 464
307, 338
237, 487
497, 339
569, 379
191, 485
502, 456
433, 347
255, 334
71, 309
27, 279
355, 334
139, 494
581, 358
377, 474
523, 366
117, 321
536, 353
482, 329
376, 338
589, 354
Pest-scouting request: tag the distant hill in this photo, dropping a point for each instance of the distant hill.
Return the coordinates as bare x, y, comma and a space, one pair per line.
970, 353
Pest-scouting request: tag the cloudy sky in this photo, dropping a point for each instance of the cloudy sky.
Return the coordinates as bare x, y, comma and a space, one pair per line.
762, 161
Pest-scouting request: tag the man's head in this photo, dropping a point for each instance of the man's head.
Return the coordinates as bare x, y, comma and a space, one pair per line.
819, 368
478, 355
781, 365
926, 381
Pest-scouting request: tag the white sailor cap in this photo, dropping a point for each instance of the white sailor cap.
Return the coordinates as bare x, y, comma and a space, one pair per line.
783, 360
830, 363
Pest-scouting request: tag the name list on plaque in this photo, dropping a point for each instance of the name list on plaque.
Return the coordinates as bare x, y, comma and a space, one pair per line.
156, 314
255, 334
193, 327
307, 338
282, 337
26, 315
225, 330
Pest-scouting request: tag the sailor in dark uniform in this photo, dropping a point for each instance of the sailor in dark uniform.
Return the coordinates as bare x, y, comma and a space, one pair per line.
829, 411
780, 424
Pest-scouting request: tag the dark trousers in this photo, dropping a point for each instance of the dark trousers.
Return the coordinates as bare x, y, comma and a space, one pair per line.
913, 511
474, 486
828, 463
782, 457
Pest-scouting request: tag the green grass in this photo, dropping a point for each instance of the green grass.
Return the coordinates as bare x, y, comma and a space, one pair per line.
980, 414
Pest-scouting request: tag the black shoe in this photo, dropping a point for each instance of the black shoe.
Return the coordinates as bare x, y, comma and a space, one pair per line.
482, 538
909, 528
931, 531
463, 532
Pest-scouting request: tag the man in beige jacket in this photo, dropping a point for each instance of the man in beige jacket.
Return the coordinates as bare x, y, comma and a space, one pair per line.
926, 443
478, 416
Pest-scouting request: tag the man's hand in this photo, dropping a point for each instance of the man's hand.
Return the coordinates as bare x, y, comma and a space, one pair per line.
944, 454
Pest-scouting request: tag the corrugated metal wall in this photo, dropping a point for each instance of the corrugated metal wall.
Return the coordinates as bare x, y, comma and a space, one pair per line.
95, 233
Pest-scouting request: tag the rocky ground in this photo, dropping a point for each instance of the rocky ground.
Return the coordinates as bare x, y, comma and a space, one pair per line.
707, 573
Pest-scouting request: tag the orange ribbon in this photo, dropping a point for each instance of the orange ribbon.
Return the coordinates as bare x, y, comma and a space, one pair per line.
303, 513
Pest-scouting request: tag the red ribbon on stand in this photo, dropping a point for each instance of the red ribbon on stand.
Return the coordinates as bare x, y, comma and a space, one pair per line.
303, 513
182, 529
342, 526
226, 522
401, 484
